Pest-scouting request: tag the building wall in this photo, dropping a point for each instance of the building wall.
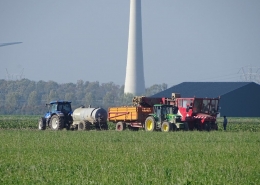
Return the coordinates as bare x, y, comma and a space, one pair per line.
243, 102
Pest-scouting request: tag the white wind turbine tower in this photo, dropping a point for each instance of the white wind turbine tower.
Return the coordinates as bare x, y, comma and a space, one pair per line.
134, 81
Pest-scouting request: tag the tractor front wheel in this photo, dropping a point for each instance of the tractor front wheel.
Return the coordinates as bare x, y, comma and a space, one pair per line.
150, 124
56, 123
120, 126
42, 124
166, 127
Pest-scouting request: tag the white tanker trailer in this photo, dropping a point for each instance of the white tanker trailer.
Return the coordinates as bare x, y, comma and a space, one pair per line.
84, 118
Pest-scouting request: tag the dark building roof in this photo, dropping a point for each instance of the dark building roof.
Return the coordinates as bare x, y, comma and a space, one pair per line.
202, 89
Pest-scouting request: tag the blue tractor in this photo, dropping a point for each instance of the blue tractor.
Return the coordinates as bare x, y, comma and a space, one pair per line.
58, 117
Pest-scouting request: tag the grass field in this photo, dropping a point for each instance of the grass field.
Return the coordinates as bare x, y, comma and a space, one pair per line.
29, 156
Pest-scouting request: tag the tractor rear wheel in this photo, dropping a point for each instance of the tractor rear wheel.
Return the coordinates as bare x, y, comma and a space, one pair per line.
84, 126
42, 124
174, 127
149, 124
56, 123
120, 126
166, 127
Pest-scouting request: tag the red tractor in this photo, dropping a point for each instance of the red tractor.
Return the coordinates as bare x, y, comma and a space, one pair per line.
197, 113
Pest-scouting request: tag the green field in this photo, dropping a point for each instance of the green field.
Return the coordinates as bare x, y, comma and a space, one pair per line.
29, 156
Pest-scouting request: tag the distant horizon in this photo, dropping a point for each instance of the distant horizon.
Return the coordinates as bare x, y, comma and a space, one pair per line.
168, 86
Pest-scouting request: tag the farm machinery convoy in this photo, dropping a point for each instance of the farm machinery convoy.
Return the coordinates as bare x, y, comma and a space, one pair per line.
151, 114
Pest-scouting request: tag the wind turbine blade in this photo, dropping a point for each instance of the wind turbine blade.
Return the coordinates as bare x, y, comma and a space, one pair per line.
10, 43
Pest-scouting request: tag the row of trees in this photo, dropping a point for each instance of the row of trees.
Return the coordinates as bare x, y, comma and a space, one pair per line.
29, 97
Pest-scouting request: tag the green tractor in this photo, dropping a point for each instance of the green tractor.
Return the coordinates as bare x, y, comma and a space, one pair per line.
164, 118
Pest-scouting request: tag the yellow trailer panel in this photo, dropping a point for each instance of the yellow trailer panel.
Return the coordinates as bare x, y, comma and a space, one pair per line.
128, 113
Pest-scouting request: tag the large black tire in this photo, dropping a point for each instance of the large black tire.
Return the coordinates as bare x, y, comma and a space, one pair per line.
105, 126
56, 123
207, 126
186, 126
174, 127
84, 126
120, 126
149, 124
214, 126
68, 124
166, 127
42, 124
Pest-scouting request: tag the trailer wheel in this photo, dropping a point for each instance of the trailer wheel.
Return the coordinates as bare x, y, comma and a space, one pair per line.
105, 126
84, 126
216, 126
207, 126
42, 124
134, 128
150, 124
56, 122
166, 127
120, 126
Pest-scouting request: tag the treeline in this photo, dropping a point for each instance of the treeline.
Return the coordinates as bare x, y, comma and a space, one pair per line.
26, 97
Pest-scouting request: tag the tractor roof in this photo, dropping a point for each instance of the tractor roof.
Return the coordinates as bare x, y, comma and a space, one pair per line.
59, 101
164, 105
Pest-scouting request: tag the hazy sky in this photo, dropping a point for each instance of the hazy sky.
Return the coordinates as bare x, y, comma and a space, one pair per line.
183, 40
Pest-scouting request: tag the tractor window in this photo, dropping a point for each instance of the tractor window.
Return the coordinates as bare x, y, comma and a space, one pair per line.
53, 107
214, 106
164, 111
180, 102
197, 106
67, 107
206, 106
169, 110
59, 107
158, 111
187, 103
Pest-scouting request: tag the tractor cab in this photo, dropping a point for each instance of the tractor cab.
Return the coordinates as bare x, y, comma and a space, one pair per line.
58, 116
60, 107
160, 112
162, 118
199, 112
198, 106
164, 112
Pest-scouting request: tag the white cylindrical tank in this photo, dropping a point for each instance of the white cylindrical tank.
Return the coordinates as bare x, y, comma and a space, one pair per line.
92, 115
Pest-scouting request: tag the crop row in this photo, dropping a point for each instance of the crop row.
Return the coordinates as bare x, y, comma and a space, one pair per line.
31, 122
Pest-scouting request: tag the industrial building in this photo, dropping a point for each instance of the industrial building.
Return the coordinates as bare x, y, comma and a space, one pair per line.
237, 99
